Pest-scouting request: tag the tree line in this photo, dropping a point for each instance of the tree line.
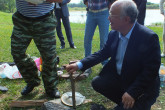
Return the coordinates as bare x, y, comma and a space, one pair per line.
152, 5
81, 4
9, 5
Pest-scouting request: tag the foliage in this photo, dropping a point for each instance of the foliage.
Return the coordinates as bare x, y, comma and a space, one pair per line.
7, 5
77, 9
81, 4
66, 55
156, 6
72, 5
152, 5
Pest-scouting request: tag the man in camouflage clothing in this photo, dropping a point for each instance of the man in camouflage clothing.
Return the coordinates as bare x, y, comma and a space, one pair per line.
37, 22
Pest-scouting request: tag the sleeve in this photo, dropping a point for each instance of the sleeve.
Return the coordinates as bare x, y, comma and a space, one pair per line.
79, 64
99, 56
65, 2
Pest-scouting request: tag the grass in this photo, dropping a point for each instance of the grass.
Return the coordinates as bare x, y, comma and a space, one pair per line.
77, 9
66, 55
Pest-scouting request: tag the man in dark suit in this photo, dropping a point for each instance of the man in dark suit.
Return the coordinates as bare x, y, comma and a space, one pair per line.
141, 5
62, 12
130, 78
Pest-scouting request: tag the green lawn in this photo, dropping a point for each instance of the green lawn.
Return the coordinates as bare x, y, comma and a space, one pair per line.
66, 55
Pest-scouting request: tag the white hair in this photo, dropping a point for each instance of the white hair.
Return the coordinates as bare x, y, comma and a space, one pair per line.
128, 8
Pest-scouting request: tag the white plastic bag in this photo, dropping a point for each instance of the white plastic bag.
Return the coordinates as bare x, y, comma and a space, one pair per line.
11, 72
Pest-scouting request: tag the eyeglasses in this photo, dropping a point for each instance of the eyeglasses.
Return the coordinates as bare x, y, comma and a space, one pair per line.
110, 15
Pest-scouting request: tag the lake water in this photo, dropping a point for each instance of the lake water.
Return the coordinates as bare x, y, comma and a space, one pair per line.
152, 16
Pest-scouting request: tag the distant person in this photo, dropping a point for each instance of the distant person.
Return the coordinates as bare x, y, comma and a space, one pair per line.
36, 21
62, 13
97, 14
141, 5
163, 13
131, 77
110, 3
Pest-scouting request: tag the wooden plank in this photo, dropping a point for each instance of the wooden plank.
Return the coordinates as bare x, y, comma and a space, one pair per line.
87, 101
28, 103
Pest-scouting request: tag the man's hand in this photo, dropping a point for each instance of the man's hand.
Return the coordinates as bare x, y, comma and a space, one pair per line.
128, 101
51, 1
71, 68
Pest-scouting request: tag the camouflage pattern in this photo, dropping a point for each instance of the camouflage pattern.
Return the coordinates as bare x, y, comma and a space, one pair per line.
42, 31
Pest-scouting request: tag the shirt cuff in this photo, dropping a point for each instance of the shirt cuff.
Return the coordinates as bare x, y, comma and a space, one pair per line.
79, 64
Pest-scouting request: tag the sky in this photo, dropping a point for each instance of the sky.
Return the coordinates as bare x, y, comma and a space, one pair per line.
152, 1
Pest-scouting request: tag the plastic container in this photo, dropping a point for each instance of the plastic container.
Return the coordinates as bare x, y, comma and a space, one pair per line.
162, 75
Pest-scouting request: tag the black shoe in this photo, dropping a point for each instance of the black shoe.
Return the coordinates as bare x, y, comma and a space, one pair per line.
54, 94
73, 47
27, 89
62, 47
97, 107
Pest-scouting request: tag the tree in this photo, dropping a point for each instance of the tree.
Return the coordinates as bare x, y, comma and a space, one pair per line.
11, 5
152, 5
81, 4
7, 5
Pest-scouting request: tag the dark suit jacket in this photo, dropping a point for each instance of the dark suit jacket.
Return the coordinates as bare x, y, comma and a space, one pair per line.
64, 8
139, 74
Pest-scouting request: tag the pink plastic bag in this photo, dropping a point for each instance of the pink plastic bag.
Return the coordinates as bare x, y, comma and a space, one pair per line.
38, 62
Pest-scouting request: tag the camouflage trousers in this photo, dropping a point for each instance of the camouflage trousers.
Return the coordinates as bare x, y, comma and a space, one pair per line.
42, 31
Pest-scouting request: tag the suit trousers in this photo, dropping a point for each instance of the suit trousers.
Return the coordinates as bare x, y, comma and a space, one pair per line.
66, 23
142, 13
110, 86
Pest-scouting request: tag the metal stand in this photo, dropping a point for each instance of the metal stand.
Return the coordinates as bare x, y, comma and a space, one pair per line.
73, 91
